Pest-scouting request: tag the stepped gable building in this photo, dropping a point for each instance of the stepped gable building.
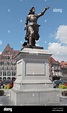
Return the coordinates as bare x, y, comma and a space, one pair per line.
8, 63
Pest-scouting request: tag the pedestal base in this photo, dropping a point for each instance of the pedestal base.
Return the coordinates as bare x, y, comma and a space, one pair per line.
32, 85
35, 97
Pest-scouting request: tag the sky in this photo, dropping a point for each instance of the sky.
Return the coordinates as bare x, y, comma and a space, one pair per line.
53, 29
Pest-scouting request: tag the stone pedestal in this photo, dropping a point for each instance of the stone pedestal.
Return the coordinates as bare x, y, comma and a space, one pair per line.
32, 85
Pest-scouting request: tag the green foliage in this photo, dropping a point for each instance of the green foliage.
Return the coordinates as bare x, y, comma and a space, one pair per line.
62, 87
7, 86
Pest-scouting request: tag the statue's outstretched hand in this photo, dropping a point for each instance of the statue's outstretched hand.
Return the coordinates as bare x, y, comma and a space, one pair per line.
47, 7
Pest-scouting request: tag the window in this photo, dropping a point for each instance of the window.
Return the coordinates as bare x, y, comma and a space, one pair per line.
13, 78
13, 73
8, 52
8, 63
4, 73
8, 57
0, 78
8, 78
8, 73
4, 78
13, 63
1, 63
2, 68
9, 67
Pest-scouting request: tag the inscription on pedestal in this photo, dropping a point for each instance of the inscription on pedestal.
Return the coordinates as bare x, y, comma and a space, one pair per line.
35, 69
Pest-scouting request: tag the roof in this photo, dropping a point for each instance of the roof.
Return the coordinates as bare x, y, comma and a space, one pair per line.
8, 51
53, 61
63, 64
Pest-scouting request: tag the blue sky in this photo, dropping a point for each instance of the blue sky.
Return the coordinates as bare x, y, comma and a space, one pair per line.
52, 30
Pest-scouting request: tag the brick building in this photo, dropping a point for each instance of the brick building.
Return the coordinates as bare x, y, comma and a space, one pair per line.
7, 63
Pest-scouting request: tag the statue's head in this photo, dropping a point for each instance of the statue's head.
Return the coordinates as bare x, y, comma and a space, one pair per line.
32, 10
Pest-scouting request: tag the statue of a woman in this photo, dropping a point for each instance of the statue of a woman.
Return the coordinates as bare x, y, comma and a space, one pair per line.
31, 26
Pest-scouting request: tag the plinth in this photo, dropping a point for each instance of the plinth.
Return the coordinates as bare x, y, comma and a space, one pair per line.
32, 85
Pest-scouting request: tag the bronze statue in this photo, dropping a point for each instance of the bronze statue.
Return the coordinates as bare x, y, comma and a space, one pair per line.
31, 27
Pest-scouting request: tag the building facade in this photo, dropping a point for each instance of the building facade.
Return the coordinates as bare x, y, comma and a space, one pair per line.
64, 70
8, 63
55, 69
8, 66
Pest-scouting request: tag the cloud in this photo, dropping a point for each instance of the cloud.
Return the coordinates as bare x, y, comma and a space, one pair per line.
61, 34
58, 51
57, 10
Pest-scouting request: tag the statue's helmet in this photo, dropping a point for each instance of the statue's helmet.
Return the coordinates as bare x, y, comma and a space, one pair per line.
32, 9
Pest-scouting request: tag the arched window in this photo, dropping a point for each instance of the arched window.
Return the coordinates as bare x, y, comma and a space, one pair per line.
4, 78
